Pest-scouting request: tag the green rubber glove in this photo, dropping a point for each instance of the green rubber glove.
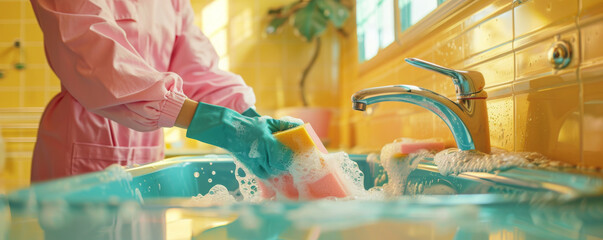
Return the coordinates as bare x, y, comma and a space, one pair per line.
249, 139
251, 113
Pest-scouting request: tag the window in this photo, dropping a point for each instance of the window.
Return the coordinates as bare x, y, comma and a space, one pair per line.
376, 20
411, 11
375, 26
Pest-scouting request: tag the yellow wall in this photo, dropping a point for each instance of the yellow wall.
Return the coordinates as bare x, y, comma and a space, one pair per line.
531, 106
23, 93
271, 64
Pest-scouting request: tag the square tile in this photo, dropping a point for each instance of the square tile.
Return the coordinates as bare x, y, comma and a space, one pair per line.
35, 98
35, 77
501, 123
531, 16
12, 78
547, 121
10, 10
592, 131
33, 33
34, 54
9, 99
10, 33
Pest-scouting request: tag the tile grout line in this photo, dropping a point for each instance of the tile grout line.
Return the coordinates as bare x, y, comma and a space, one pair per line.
580, 84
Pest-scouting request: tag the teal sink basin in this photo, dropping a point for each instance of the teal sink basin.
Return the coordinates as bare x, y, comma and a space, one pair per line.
154, 201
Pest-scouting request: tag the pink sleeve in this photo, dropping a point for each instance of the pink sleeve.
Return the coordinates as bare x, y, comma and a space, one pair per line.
196, 61
97, 65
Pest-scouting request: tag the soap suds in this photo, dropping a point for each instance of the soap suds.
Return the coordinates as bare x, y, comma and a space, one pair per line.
217, 195
350, 175
310, 166
454, 161
398, 167
247, 183
253, 152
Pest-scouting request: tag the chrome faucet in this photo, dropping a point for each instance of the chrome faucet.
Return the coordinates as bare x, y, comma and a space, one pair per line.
467, 118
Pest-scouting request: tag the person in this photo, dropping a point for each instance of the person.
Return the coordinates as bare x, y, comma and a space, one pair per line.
128, 69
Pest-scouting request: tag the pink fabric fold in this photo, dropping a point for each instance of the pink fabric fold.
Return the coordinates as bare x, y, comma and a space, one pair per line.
126, 68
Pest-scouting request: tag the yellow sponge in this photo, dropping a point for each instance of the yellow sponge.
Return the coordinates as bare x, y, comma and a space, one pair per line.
302, 139
297, 138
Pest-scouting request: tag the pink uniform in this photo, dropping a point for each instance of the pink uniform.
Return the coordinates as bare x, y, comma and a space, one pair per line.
126, 68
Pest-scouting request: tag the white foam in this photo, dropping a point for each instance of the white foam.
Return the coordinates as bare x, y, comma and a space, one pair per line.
311, 166
308, 166
349, 174
253, 151
247, 183
454, 161
398, 167
218, 194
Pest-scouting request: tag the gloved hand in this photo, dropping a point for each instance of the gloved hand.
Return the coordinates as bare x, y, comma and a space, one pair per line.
251, 113
284, 123
249, 139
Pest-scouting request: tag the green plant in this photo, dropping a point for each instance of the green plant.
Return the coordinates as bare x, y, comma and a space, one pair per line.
310, 19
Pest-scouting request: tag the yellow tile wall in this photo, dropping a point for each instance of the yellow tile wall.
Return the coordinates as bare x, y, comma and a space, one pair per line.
272, 64
532, 107
23, 93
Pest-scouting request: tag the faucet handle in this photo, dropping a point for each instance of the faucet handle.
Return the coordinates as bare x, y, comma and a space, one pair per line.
467, 83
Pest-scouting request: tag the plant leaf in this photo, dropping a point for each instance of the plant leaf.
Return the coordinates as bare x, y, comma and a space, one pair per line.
274, 24
310, 21
335, 11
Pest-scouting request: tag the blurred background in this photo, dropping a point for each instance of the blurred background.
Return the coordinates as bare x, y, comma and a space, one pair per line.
532, 105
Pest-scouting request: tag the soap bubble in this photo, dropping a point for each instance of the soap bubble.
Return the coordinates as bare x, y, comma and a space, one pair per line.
218, 194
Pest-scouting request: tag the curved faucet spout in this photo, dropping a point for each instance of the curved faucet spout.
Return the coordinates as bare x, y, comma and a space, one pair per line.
468, 120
